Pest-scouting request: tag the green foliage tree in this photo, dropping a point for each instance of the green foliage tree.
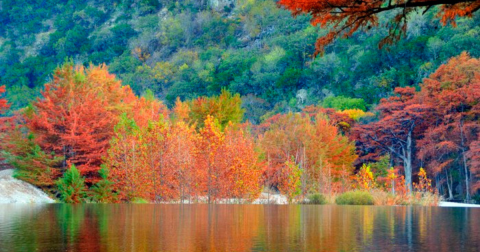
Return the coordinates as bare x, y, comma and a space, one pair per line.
71, 186
32, 164
225, 108
343, 103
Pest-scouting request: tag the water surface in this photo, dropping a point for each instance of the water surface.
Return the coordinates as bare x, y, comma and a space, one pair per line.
124, 227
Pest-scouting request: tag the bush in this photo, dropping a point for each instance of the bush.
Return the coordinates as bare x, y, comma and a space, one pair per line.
139, 201
316, 199
355, 198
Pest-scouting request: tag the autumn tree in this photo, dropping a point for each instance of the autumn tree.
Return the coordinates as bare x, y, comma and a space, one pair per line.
75, 115
436, 127
345, 17
321, 152
6, 125
449, 143
403, 120
209, 143
126, 162
241, 164
180, 158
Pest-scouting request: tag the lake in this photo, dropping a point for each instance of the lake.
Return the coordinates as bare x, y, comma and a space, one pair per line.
149, 227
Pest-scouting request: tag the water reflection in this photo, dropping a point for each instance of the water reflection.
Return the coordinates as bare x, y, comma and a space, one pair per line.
236, 228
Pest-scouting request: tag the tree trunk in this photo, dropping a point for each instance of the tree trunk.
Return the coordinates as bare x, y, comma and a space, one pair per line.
449, 185
407, 162
465, 168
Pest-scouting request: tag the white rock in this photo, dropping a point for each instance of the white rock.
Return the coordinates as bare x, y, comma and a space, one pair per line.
271, 198
453, 204
16, 191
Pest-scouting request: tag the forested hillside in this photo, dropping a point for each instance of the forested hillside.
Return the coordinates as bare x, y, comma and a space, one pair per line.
194, 48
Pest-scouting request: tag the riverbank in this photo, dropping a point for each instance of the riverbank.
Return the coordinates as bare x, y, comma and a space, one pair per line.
16, 191
13, 190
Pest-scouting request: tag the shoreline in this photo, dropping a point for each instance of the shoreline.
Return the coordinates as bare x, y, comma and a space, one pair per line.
14, 191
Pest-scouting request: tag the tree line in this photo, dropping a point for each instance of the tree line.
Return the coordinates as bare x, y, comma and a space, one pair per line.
88, 137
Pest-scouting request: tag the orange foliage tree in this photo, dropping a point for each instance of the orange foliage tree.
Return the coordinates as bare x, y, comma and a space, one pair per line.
166, 161
344, 17
126, 162
208, 150
180, 158
321, 152
240, 161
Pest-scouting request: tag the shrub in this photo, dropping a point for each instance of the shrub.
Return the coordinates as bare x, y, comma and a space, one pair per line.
317, 199
139, 201
355, 198
71, 186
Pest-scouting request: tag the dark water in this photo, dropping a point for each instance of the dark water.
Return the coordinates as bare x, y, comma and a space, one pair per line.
60, 227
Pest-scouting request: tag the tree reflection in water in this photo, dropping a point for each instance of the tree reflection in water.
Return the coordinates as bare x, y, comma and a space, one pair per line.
124, 227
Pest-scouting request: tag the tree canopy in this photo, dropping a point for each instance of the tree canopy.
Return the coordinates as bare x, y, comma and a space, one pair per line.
344, 17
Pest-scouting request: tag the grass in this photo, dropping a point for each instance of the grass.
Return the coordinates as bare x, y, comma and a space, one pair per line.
383, 198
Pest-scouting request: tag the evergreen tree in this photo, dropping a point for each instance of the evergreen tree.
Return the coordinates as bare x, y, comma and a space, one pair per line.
71, 186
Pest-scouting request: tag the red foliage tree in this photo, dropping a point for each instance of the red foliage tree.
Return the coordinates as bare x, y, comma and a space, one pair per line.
402, 120
3, 102
76, 114
454, 91
437, 126
4, 124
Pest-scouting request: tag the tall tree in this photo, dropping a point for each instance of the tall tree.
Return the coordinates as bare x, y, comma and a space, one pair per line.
240, 161
209, 143
344, 17
180, 158
126, 161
